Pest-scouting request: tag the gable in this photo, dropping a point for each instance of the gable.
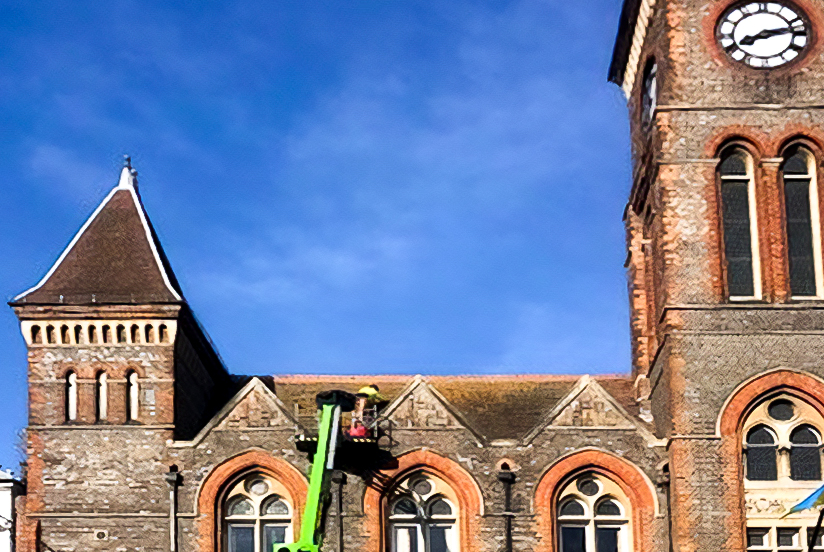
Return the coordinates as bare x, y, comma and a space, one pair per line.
259, 408
589, 405
421, 408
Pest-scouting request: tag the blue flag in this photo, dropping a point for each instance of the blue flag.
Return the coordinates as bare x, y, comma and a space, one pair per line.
815, 499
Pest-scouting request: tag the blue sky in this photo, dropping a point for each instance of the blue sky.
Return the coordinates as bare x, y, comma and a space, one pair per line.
341, 187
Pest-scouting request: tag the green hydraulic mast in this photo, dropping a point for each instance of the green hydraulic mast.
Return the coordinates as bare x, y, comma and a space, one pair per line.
331, 404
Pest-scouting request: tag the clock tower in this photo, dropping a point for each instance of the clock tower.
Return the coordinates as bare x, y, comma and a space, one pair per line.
724, 225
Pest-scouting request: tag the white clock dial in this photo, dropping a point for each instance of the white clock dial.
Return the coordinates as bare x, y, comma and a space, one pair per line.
763, 34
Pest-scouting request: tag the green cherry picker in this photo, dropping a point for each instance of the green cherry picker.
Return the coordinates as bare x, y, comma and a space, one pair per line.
331, 404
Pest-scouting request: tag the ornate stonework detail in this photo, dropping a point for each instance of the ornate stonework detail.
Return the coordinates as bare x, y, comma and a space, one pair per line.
421, 408
256, 409
590, 409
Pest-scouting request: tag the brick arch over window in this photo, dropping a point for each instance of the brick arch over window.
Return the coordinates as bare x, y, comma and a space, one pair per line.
627, 476
228, 471
730, 424
470, 500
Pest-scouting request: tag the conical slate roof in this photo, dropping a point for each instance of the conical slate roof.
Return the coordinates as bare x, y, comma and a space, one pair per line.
115, 258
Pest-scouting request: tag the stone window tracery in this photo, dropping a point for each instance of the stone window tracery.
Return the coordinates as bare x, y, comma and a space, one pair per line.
256, 515
782, 465
739, 224
423, 516
593, 516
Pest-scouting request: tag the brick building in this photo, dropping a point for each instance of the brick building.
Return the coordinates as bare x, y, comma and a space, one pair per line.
140, 439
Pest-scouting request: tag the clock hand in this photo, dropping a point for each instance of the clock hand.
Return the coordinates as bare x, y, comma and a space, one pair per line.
766, 33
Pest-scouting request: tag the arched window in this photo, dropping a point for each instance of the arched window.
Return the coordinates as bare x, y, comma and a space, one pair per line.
50, 334
132, 396
121, 333
592, 516
101, 397
739, 224
36, 336
803, 222
164, 333
149, 334
78, 334
423, 516
92, 334
805, 454
71, 396
649, 92
762, 461
782, 465
64, 335
107, 334
256, 515
135, 333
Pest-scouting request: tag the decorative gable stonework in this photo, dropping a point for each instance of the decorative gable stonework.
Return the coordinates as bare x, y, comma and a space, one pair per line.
591, 407
421, 408
257, 409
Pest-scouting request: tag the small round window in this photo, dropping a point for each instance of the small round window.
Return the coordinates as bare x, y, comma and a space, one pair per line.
588, 486
781, 410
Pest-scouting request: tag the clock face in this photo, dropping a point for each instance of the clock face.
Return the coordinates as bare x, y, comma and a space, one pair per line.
763, 34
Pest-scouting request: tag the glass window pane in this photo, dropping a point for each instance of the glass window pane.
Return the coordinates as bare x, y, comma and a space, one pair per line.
405, 507
437, 539
737, 240
804, 435
734, 164
440, 508
796, 165
572, 508
608, 508
799, 237
241, 507
606, 539
405, 539
760, 436
241, 538
781, 409
787, 537
273, 534
274, 506
572, 538
805, 463
761, 463
757, 537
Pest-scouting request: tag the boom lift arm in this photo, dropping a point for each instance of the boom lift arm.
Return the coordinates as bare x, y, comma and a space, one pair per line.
332, 404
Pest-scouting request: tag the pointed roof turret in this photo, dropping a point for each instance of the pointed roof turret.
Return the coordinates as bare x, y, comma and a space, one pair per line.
115, 258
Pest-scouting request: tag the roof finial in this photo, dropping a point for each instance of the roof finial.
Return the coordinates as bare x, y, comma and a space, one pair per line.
128, 176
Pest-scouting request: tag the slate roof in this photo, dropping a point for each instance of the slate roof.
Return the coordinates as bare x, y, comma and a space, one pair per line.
497, 407
115, 258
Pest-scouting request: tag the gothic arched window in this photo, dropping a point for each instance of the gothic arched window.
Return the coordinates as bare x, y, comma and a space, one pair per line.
805, 454
255, 515
762, 461
71, 396
739, 225
423, 516
782, 465
593, 516
803, 222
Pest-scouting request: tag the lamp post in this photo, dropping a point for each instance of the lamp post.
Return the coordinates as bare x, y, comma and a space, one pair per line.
174, 479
